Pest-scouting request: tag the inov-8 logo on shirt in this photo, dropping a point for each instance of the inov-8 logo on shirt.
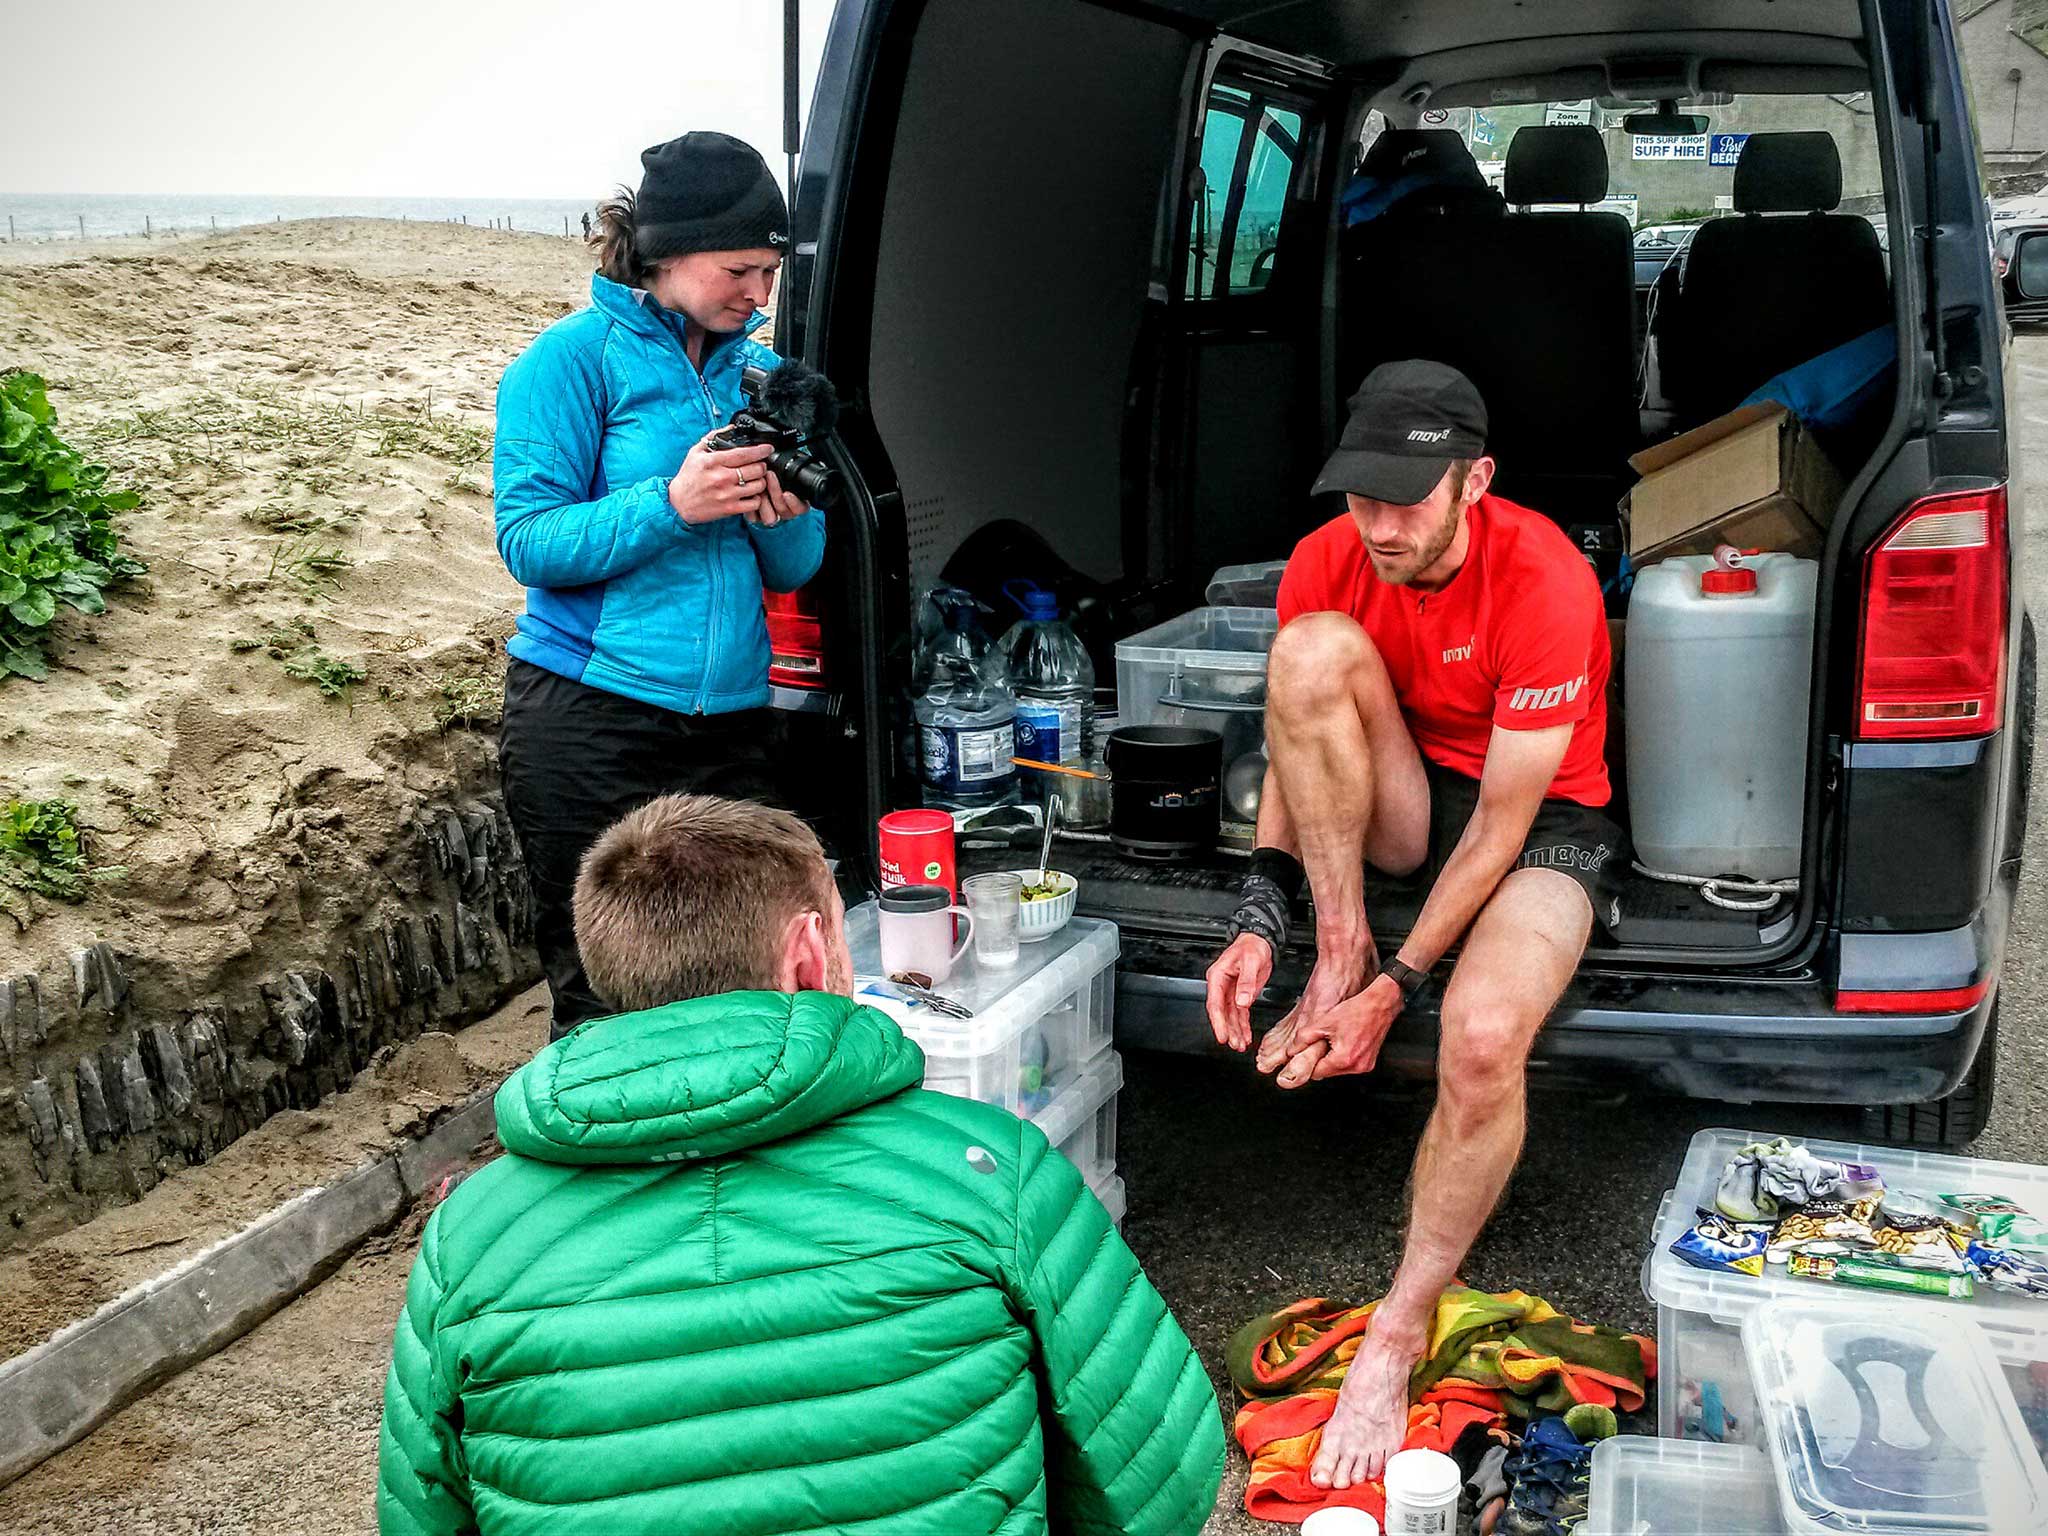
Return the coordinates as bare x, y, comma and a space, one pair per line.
1547, 698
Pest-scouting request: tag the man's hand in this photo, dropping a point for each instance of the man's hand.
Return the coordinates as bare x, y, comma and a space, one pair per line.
1339, 974
721, 482
1235, 981
1350, 1034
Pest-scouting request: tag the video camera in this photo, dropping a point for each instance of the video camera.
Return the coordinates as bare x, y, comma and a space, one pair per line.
787, 408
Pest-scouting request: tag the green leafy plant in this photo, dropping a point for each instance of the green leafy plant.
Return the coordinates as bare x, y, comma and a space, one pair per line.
41, 850
467, 701
292, 644
57, 538
315, 567
331, 676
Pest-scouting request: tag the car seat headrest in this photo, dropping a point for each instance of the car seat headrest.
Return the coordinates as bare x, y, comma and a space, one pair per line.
1437, 154
1788, 173
1565, 163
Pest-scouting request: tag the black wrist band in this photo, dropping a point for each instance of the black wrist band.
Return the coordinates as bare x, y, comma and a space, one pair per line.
1282, 868
1404, 976
1262, 908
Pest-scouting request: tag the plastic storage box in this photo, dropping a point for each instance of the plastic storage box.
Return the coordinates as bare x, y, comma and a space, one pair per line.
1646, 1487
1037, 1025
1889, 1420
1246, 586
1703, 1381
1110, 1191
1081, 1119
1199, 669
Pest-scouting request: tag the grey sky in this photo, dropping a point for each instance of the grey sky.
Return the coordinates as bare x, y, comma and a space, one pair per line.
458, 98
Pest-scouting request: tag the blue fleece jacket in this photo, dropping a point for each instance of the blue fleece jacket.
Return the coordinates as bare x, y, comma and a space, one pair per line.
594, 419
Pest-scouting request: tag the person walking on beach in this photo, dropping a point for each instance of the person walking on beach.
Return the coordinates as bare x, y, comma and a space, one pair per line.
738, 1272
640, 666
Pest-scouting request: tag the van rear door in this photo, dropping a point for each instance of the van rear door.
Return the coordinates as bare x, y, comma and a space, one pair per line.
978, 220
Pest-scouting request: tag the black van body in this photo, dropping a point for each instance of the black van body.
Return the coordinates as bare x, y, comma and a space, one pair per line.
992, 261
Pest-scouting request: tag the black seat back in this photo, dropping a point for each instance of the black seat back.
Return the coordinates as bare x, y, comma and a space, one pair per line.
1781, 282
1537, 309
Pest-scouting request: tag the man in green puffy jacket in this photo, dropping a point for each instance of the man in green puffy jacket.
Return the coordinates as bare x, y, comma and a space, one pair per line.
739, 1275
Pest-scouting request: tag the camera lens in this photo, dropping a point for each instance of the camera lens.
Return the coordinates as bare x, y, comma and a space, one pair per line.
816, 482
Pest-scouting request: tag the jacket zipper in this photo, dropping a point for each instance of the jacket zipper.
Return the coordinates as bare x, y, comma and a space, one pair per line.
711, 414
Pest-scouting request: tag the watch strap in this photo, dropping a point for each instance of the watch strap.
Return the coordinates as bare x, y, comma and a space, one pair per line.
1404, 976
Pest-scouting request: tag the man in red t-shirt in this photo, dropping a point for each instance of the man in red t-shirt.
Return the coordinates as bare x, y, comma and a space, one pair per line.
1435, 706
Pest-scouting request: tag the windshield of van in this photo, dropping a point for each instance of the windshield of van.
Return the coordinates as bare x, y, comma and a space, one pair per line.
1664, 183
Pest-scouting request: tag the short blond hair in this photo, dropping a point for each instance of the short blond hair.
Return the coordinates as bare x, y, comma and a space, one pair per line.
688, 896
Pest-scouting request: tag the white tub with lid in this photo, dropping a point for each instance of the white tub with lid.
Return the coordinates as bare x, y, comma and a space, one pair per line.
1648, 1487
1038, 1024
1890, 1420
1719, 668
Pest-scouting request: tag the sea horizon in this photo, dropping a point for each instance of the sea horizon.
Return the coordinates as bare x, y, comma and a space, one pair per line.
41, 216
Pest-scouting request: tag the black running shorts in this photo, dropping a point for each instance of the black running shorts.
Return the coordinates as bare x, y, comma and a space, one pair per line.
1573, 839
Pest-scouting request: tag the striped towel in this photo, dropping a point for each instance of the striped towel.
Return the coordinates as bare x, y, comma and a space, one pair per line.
1491, 1356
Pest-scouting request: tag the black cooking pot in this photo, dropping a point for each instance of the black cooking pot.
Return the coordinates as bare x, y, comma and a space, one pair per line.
1164, 791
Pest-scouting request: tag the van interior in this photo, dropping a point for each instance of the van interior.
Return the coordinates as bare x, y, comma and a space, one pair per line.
1103, 342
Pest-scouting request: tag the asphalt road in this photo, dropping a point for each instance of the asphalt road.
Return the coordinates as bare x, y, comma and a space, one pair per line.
1240, 1198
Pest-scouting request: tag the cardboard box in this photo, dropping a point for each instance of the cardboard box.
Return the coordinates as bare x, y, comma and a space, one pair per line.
1752, 478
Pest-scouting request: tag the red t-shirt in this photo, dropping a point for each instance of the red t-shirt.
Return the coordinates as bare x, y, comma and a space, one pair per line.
1517, 638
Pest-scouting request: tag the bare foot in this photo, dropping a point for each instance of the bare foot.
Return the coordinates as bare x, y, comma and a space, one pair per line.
1336, 978
1371, 1417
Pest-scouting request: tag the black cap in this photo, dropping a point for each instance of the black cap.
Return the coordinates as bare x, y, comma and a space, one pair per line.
707, 192
1408, 421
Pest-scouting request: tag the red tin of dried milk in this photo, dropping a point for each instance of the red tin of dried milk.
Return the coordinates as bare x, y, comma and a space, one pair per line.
917, 849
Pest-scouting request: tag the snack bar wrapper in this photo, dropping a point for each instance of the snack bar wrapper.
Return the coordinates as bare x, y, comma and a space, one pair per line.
2004, 1270
1826, 1227
1918, 1242
1844, 1269
1715, 1242
2003, 1223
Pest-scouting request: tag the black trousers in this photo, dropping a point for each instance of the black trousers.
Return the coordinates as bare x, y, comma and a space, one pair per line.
574, 760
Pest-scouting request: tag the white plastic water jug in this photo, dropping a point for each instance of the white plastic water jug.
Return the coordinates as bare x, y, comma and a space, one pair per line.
1719, 669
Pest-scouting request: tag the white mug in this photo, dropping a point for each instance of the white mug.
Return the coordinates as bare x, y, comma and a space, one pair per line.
916, 925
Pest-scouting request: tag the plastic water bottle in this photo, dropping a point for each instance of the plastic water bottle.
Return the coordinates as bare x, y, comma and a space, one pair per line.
965, 716
1052, 678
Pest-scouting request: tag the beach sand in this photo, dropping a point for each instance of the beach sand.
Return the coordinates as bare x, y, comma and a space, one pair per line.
306, 409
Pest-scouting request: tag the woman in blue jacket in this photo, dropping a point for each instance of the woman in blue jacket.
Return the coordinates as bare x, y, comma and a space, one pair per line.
640, 666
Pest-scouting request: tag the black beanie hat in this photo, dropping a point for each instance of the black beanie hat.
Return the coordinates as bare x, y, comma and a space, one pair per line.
707, 192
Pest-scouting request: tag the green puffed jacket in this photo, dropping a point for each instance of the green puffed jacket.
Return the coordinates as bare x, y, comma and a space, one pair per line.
738, 1275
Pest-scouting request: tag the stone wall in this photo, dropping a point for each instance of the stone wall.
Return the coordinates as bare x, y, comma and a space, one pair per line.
122, 1070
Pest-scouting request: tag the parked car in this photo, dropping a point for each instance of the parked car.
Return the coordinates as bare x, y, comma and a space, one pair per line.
1657, 246
995, 259
2021, 306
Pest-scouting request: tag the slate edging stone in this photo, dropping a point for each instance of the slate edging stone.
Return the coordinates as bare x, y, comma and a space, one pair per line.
57, 1393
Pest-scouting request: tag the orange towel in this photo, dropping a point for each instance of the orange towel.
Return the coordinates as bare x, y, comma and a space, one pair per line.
1491, 1355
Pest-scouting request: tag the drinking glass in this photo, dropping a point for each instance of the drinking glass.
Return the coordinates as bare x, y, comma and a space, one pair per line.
997, 904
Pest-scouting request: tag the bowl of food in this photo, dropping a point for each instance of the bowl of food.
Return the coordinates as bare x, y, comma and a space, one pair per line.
1048, 903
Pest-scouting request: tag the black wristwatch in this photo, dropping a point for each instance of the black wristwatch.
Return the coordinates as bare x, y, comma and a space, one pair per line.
1406, 977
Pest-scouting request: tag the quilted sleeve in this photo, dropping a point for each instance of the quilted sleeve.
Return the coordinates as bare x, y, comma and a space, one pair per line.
422, 1480
543, 465
1135, 1440
789, 553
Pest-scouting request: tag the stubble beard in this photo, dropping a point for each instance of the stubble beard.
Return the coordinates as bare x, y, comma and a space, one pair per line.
1440, 541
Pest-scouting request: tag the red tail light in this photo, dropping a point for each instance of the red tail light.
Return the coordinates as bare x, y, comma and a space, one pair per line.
1934, 616
796, 640
1946, 1000
1998, 266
